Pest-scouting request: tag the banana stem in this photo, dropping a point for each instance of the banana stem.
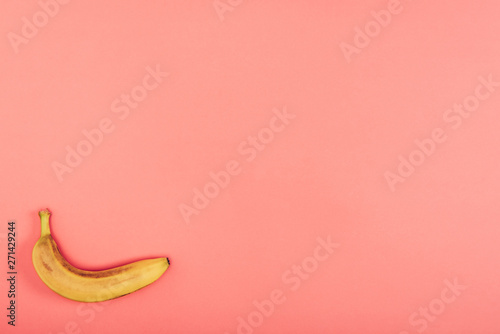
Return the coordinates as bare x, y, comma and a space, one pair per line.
44, 219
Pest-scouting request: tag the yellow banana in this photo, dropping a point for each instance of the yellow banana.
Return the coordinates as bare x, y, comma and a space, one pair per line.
90, 286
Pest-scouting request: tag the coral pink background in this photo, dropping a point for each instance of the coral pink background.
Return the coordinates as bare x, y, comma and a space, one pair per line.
323, 175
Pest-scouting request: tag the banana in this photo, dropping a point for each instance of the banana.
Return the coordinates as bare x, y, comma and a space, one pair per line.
89, 286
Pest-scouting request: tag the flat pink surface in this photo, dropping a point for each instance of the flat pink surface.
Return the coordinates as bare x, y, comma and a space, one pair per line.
322, 174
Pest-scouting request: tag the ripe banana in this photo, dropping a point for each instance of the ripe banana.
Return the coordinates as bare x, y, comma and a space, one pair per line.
89, 286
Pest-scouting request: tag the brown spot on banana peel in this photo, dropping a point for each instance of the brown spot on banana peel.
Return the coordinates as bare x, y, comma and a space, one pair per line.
84, 273
46, 266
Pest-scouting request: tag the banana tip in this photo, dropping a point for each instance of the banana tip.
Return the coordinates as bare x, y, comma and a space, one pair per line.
45, 212
168, 261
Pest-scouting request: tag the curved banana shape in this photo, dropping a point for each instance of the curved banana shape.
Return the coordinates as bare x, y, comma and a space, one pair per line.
90, 286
